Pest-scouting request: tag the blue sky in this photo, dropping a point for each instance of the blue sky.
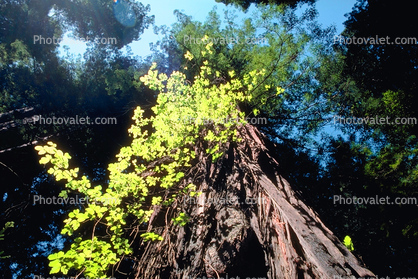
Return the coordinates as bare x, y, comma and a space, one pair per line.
330, 12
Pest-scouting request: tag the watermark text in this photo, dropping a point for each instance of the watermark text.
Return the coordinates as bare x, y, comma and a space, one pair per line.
375, 120
76, 120
223, 201
41, 40
376, 40
210, 121
40, 200
223, 40
338, 199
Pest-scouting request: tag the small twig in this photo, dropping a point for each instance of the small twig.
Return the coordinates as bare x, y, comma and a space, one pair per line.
217, 274
1, 163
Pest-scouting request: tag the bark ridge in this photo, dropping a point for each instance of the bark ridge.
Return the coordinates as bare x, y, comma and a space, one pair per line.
248, 223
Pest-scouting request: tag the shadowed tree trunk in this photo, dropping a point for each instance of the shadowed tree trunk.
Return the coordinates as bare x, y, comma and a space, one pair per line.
248, 222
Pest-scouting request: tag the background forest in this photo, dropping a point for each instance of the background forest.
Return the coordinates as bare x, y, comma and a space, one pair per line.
322, 79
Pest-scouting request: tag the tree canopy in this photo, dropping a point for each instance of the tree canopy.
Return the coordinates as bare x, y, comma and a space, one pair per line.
245, 4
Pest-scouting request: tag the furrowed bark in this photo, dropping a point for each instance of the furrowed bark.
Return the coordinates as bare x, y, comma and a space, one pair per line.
248, 222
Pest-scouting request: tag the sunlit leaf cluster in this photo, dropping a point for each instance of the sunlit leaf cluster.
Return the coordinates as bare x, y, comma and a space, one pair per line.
149, 170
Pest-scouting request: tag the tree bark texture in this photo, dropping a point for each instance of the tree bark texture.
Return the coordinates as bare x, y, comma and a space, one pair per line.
248, 222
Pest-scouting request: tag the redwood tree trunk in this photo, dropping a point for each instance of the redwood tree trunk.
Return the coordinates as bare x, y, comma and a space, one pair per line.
248, 223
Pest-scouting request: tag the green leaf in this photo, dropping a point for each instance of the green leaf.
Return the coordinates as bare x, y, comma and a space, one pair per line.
44, 160
56, 266
348, 243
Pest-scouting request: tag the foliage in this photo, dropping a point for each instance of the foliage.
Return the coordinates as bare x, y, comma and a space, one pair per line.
245, 4
34, 77
388, 70
348, 243
293, 49
184, 115
6, 226
378, 160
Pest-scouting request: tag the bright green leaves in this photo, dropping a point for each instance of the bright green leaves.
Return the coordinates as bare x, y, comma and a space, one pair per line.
80, 185
156, 200
189, 56
154, 80
348, 243
183, 110
116, 216
151, 236
58, 159
181, 220
279, 91
152, 164
55, 263
191, 190
92, 254
75, 218
95, 211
